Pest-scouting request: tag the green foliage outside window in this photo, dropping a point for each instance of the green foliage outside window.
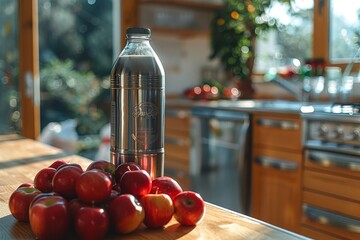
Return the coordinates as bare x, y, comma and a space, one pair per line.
69, 93
234, 30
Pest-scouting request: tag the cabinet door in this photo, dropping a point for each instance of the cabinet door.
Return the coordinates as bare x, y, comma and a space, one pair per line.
276, 189
278, 131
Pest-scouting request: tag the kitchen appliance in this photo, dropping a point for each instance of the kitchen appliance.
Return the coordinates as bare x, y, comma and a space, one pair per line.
336, 129
332, 169
220, 157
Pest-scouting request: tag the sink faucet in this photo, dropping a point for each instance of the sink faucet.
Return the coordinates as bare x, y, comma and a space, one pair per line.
347, 80
295, 87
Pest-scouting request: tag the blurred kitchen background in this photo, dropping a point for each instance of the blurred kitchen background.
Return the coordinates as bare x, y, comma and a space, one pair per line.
54, 75
79, 40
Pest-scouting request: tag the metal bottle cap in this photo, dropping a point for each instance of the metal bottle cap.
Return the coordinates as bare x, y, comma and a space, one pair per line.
138, 30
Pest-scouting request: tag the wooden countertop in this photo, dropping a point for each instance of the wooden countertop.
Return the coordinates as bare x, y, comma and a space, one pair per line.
21, 158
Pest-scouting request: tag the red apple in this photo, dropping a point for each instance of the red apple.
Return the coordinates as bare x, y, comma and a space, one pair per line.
50, 218
75, 205
65, 179
43, 195
137, 183
189, 208
158, 209
26, 185
113, 195
58, 163
91, 223
105, 166
43, 179
70, 164
126, 213
20, 200
102, 165
165, 185
93, 186
125, 167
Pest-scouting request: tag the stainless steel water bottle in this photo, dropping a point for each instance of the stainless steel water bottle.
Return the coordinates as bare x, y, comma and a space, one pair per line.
138, 104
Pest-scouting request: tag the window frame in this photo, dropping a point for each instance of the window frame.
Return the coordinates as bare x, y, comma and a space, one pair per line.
29, 87
321, 35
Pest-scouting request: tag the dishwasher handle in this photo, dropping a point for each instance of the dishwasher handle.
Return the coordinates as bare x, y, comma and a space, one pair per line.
224, 115
177, 113
328, 218
177, 141
281, 164
287, 125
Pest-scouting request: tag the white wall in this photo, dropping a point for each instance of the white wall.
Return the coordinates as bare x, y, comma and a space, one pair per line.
183, 59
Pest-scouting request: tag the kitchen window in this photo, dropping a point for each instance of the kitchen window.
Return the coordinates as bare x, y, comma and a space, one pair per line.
292, 40
344, 30
333, 31
328, 29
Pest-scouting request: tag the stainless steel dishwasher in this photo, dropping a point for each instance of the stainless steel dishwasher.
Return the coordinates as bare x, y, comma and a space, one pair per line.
220, 157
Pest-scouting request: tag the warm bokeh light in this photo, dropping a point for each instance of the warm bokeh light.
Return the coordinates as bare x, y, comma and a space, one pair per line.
234, 15
251, 8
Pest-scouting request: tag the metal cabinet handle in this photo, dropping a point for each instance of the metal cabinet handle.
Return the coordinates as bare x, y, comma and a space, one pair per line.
334, 160
328, 218
276, 163
289, 125
177, 113
180, 142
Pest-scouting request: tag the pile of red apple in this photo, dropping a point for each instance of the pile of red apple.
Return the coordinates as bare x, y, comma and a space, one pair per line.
103, 198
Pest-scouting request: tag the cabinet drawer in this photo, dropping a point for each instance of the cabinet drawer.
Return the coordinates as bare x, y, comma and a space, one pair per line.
177, 157
172, 135
277, 131
177, 151
331, 222
178, 122
336, 185
333, 204
333, 163
287, 158
318, 235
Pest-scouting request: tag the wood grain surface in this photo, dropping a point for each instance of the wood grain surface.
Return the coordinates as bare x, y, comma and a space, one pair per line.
21, 158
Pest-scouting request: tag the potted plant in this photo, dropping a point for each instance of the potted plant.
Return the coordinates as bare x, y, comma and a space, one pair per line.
234, 29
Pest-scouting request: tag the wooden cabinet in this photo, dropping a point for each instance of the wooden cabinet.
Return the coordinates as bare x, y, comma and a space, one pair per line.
331, 196
177, 145
276, 169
